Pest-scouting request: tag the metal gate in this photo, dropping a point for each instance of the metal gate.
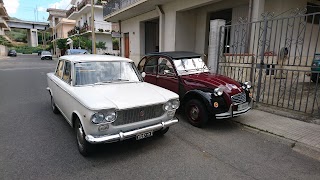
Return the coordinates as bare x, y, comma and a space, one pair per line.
276, 55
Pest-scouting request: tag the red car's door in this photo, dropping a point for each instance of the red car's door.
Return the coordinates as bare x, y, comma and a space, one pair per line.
167, 76
150, 67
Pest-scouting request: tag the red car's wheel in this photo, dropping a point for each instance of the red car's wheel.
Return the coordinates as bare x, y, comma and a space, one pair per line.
196, 112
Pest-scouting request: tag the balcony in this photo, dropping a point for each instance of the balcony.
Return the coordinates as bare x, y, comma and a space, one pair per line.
82, 8
71, 10
116, 10
83, 3
100, 27
73, 31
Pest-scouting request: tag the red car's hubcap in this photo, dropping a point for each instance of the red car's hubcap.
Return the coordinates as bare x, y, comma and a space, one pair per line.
194, 112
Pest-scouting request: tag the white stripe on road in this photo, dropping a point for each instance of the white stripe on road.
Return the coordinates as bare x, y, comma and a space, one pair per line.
13, 69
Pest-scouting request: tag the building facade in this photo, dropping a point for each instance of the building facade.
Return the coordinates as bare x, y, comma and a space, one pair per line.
80, 12
169, 25
59, 27
3, 27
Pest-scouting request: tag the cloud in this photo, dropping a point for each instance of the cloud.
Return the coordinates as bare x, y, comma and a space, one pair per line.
11, 6
62, 4
42, 9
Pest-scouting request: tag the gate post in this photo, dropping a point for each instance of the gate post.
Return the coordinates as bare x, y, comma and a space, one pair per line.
265, 28
214, 43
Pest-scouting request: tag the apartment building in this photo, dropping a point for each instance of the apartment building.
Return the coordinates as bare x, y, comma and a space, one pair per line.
3, 26
80, 12
59, 27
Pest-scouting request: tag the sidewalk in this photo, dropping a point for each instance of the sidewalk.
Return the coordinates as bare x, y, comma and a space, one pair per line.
305, 136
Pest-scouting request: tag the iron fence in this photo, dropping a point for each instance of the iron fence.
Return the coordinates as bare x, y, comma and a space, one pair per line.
276, 55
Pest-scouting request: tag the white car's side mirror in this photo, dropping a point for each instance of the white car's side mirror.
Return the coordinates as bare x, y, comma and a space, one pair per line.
143, 74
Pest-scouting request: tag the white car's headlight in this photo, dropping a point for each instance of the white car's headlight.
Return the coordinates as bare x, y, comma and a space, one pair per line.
218, 91
172, 105
111, 117
247, 84
100, 117
97, 118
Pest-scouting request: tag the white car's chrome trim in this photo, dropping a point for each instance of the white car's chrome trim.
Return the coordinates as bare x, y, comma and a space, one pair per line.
129, 134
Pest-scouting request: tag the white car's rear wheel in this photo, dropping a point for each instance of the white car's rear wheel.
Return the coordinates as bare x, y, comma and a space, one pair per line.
54, 107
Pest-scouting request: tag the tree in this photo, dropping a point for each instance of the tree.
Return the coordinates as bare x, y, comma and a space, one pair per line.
62, 45
101, 45
115, 44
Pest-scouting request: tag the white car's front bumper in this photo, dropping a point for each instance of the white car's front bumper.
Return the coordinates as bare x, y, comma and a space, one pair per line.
129, 134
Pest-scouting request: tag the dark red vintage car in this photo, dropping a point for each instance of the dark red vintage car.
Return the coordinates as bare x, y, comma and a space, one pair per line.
201, 93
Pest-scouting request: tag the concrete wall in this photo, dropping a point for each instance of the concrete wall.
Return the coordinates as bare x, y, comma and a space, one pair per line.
62, 30
135, 28
3, 50
185, 31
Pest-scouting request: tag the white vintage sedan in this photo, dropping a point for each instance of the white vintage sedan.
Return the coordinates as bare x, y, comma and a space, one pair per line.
105, 99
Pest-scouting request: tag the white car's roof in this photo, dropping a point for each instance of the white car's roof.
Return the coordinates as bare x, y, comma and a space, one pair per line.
94, 57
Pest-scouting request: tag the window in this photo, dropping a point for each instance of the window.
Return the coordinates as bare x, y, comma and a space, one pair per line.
141, 64
105, 72
59, 69
67, 72
151, 65
165, 66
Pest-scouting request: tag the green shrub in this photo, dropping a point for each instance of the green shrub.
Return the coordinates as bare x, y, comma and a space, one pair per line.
27, 49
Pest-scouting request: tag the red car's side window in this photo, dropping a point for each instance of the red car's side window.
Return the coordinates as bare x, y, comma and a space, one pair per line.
151, 65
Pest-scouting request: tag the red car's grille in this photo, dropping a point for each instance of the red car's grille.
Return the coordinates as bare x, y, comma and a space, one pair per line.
138, 114
239, 98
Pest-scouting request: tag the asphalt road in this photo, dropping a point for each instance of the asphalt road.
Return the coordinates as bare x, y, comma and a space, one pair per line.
37, 144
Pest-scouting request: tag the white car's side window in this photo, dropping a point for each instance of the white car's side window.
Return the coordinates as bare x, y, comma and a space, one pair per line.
59, 69
67, 72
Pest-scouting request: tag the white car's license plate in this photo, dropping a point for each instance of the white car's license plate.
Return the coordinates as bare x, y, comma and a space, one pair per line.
243, 106
144, 135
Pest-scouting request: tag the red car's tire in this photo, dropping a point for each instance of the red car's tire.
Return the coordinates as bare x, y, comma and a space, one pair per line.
196, 113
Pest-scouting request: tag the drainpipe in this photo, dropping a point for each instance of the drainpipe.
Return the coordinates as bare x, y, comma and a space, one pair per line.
120, 44
93, 29
249, 26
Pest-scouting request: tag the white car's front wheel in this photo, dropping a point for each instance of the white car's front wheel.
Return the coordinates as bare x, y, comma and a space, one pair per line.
84, 146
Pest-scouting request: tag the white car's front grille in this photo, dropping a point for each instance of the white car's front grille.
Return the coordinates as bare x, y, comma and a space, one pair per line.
239, 98
138, 114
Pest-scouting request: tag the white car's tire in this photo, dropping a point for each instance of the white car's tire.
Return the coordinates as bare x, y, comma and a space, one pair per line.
54, 107
84, 147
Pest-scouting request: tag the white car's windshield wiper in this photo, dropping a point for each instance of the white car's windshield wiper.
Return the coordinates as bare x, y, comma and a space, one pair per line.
102, 82
122, 79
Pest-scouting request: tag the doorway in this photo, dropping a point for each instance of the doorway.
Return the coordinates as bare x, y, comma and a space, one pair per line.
152, 36
126, 45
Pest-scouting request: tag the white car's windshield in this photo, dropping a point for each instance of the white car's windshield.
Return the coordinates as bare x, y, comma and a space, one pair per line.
190, 65
105, 72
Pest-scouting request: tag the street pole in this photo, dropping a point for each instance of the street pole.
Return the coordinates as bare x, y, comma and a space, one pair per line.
92, 28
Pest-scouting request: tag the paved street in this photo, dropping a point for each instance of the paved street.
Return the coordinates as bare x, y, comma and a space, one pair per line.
37, 144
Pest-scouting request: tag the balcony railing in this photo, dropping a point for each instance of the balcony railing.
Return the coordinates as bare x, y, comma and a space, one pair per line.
83, 3
116, 5
71, 10
99, 27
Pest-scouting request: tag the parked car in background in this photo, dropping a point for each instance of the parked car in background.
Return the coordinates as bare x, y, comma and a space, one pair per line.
46, 55
201, 93
76, 51
105, 99
315, 68
12, 52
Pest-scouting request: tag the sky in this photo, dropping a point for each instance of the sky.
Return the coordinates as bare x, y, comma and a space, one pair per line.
33, 10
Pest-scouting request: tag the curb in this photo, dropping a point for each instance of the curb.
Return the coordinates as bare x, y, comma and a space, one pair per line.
296, 146
307, 150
